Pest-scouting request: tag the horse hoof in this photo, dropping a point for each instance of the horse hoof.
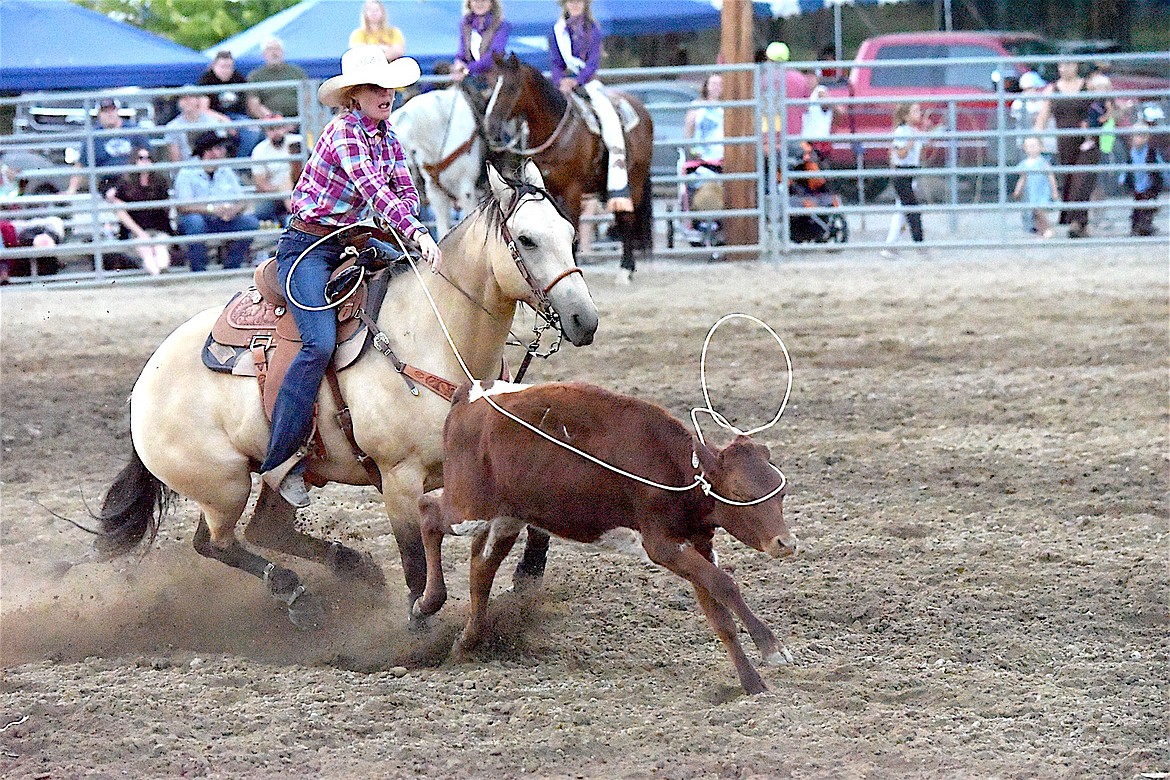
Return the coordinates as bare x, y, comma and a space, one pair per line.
779, 658
526, 584
307, 612
425, 607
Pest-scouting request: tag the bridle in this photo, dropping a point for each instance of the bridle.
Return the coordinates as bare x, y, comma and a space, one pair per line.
540, 294
530, 151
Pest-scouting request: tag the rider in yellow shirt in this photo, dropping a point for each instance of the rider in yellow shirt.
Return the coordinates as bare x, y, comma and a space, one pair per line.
373, 28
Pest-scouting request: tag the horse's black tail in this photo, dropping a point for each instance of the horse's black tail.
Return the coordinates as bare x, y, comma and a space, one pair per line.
134, 505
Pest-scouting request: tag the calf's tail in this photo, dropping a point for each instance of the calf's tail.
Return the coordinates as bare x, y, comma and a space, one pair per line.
134, 505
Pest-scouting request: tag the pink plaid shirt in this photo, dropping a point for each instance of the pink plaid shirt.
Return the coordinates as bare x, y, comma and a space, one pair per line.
357, 164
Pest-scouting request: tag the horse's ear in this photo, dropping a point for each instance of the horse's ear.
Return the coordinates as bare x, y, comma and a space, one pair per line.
496, 58
513, 60
500, 189
530, 173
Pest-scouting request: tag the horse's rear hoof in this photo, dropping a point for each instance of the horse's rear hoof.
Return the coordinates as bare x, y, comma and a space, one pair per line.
526, 584
307, 612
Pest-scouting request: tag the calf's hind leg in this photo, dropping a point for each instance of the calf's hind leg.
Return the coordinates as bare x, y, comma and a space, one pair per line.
488, 550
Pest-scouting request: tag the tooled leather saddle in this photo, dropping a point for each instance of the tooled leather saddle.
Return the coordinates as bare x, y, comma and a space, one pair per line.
255, 335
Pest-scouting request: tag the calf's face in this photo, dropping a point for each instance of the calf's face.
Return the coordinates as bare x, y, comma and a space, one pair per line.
744, 474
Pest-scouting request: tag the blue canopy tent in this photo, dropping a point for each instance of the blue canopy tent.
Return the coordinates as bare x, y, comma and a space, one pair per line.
55, 45
315, 33
618, 17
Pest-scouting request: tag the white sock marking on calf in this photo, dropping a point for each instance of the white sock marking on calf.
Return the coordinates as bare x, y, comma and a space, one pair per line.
501, 526
499, 387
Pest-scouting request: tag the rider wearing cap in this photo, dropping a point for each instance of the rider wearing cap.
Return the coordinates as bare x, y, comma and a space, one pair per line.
357, 166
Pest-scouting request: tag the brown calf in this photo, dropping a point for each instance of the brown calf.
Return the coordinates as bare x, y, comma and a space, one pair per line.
506, 476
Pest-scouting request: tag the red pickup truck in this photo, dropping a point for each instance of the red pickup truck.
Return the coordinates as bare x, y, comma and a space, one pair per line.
971, 87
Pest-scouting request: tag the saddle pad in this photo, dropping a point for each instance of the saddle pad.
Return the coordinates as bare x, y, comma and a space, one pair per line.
629, 117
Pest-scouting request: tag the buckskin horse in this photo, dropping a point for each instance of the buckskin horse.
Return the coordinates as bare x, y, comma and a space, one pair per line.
440, 131
572, 158
202, 434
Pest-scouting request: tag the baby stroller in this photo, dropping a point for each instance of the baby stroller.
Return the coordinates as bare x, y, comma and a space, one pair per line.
701, 191
823, 227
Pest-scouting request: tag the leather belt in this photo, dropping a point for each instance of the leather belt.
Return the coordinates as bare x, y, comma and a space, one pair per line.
313, 230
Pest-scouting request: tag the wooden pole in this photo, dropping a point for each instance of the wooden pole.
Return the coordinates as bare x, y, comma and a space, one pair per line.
736, 47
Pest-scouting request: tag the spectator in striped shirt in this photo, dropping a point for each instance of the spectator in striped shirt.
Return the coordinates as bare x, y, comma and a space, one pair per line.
357, 169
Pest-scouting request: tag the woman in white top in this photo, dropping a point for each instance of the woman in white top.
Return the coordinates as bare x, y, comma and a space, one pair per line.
704, 122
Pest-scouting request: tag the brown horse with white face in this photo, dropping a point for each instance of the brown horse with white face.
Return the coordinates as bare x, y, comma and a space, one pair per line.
572, 159
202, 434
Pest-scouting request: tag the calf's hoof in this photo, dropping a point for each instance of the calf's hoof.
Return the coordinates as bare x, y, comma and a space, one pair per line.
779, 658
428, 604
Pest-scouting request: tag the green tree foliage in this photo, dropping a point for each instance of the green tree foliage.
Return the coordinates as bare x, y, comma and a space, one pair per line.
197, 24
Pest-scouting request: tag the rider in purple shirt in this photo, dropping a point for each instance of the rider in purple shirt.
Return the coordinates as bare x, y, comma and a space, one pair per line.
575, 48
483, 31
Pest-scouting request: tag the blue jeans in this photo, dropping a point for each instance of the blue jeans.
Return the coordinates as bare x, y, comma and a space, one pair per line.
237, 249
292, 417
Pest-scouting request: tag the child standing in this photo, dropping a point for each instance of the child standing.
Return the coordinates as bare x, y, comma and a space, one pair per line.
1145, 185
1037, 183
906, 157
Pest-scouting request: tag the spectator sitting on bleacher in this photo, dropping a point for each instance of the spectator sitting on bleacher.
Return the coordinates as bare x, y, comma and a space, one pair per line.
194, 117
275, 175
221, 211
107, 150
265, 104
137, 186
232, 104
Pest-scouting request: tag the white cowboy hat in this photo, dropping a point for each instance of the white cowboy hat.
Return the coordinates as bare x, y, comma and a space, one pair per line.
367, 64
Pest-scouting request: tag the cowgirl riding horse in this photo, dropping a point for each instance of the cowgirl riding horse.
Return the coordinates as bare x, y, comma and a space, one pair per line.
357, 165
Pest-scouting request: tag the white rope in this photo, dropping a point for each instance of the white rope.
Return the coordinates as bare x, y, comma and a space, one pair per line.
288, 294
718, 418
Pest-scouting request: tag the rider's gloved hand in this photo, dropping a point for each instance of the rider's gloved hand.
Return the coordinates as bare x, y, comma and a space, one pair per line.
430, 251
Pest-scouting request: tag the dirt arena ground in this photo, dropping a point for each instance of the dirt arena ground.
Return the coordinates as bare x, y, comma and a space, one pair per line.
977, 449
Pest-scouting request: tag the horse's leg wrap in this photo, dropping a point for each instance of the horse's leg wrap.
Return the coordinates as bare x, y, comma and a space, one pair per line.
529, 572
304, 609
